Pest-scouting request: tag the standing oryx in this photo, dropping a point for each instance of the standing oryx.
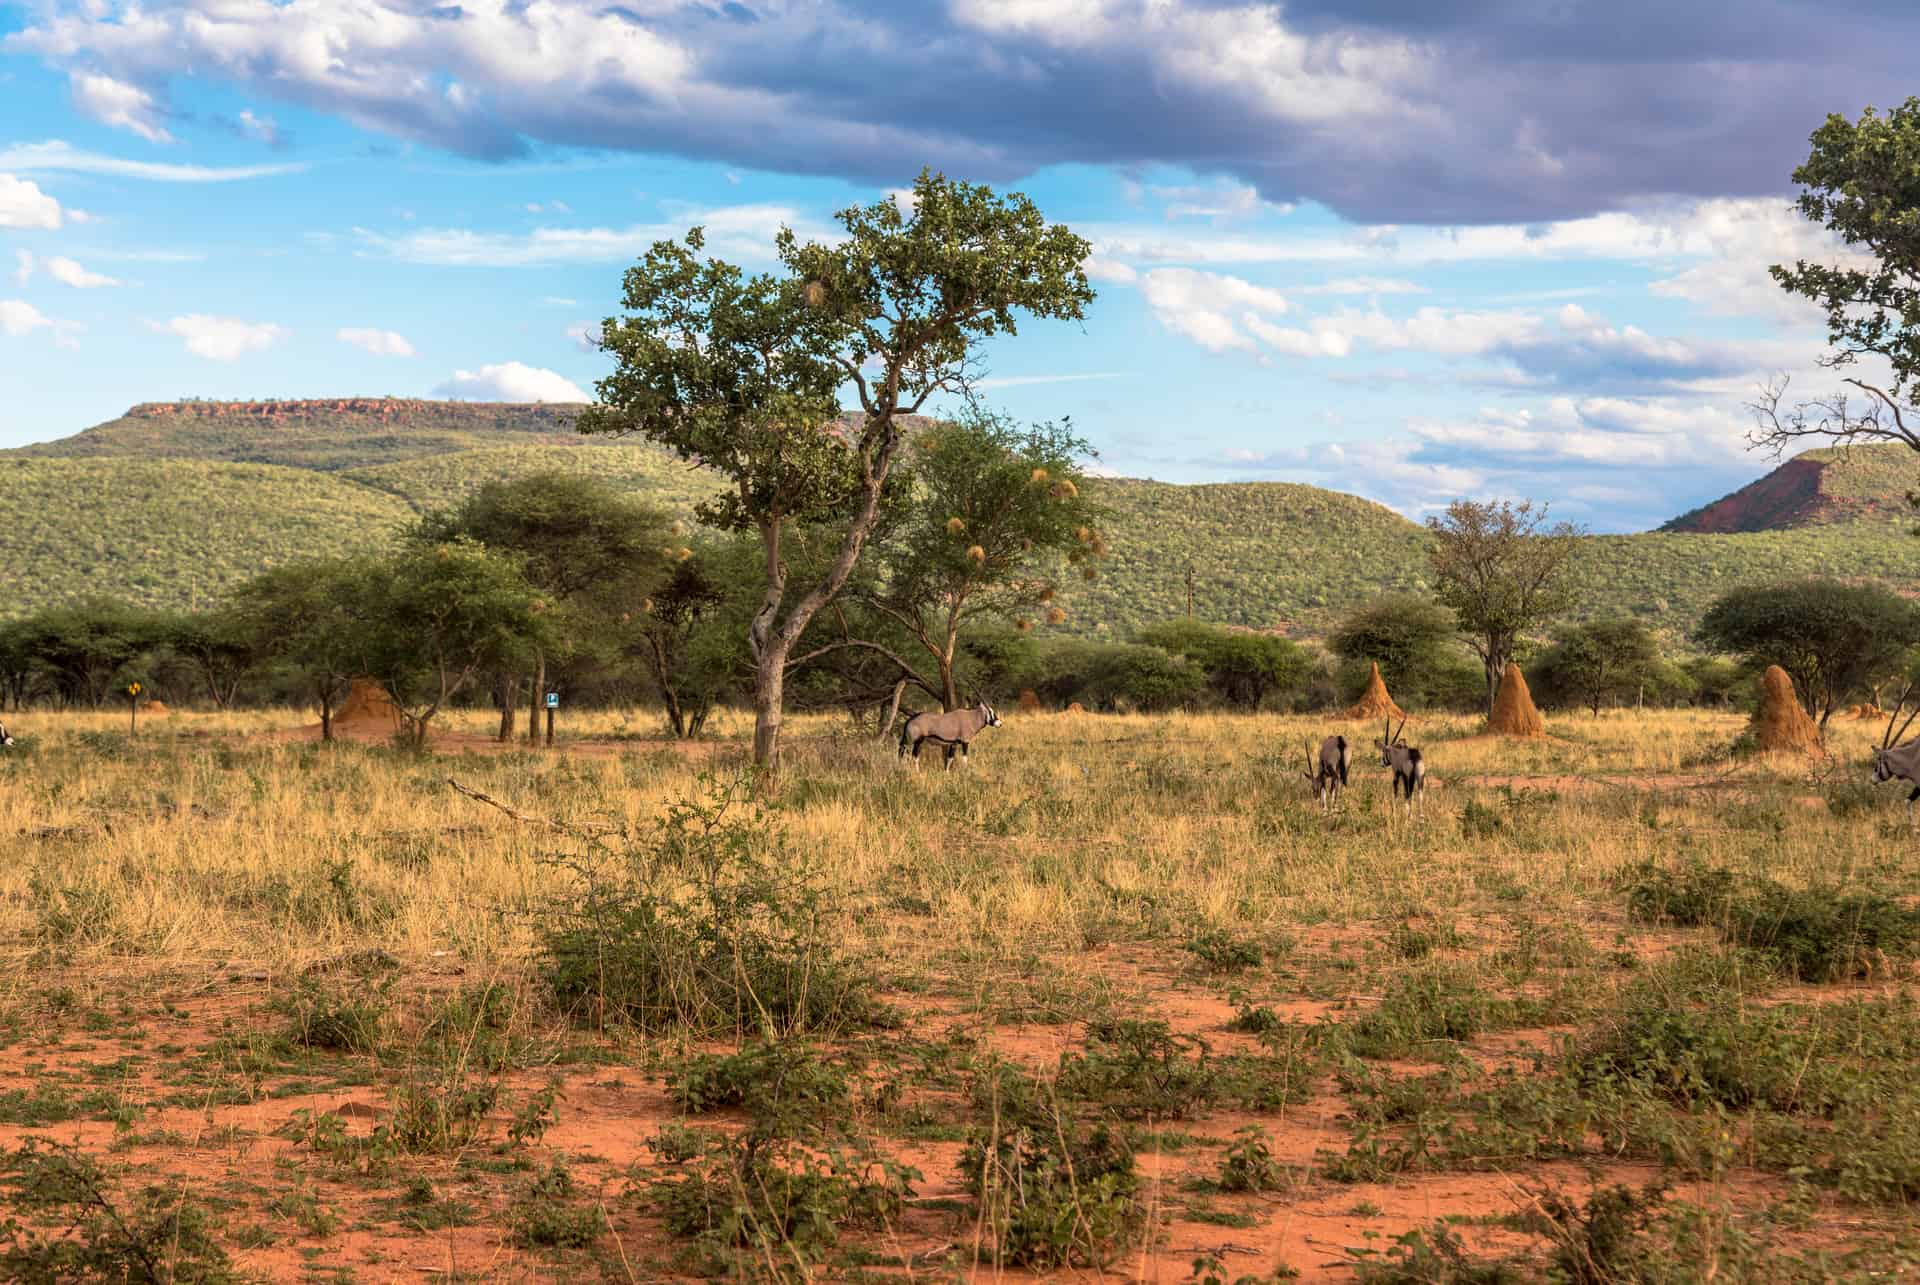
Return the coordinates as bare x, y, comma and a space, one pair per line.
1893, 762
951, 730
1409, 768
1328, 773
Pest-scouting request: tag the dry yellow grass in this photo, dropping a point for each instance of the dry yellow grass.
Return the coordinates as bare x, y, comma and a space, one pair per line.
1065, 872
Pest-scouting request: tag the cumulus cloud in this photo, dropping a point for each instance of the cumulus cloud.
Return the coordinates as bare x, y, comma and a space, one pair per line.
262, 129
24, 205
381, 343
119, 104
68, 273
221, 338
1208, 307
1387, 112
18, 318
510, 381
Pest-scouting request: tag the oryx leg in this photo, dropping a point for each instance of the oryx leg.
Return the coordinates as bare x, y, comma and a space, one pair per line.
917, 741
965, 761
1910, 799
948, 745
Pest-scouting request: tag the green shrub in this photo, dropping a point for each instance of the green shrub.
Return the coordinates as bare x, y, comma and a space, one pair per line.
1139, 1069
702, 928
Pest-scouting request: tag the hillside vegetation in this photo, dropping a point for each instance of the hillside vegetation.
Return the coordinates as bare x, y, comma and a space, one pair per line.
173, 502
170, 532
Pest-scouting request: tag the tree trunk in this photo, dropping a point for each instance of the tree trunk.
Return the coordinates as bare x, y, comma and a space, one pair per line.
949, 694
509, 697
534, 699
325, 691
769, 700
893, 708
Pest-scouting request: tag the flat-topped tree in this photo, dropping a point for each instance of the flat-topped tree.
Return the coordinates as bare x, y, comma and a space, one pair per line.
743, 373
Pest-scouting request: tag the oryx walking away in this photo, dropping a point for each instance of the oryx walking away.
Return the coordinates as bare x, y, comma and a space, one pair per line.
1409, 768
951, 731
1895, 762
1328, 773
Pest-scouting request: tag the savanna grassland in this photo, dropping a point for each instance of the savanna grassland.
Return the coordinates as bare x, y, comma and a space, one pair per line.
1116, 1001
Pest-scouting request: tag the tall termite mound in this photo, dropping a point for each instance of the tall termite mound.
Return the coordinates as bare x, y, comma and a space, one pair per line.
1779, 723
368, 706
1374, 702
1513, 710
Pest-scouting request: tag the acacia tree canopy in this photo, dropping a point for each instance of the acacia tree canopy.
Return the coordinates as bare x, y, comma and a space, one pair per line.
742, 373
1602, 660
1833, 639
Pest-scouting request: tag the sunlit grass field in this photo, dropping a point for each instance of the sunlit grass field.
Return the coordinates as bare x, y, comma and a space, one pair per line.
1117, 993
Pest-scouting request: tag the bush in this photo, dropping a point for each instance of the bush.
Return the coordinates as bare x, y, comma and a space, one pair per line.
699, 929
1242, 667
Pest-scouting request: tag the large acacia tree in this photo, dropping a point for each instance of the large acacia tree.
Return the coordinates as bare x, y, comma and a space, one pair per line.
1833, 639
1504, 570
743, 373
1862, 182
591, 550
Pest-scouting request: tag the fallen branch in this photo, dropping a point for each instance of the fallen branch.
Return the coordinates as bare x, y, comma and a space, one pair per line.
564, 827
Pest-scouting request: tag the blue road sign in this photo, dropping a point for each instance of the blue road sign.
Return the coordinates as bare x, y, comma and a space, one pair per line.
553, 700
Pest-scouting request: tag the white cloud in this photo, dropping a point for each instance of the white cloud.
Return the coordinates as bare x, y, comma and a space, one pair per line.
741, 232
23, 270
553, 207
381, 343
1203, 305
18, 318
1023, 381
510, 381
116, 103
261, 129
55, 155
1109, 270
221, 338
1364, 285
557, 301
69, 273
1221, 202
24, 205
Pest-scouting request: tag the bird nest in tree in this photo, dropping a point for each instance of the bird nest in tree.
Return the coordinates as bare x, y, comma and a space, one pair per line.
1375, 702
1514, 713
1780, 723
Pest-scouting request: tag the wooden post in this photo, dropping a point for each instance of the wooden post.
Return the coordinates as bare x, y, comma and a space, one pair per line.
133, 708
1189, 591
553, 704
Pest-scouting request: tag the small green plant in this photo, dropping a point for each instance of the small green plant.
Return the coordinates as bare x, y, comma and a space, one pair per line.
1249, 1164
1052, 1193
1220, 951
535, 1116
1479, 821
64, 1221
1432, 1255
544, 1218
318, 1016
1139, 1069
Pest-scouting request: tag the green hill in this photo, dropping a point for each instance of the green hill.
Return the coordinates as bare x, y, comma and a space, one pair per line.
173, 502
170, 532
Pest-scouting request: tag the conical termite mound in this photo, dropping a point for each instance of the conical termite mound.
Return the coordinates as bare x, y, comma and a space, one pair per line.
1374, 702
1779, 723
1514, 713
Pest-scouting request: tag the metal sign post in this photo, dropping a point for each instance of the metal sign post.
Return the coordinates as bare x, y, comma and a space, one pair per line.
553, 703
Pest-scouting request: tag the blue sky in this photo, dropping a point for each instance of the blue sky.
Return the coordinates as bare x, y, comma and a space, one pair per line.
1416, 252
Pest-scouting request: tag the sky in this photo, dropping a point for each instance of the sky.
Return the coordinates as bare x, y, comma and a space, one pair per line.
1413, 251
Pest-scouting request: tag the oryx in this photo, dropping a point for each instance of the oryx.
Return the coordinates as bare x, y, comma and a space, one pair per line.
1900, 762
952, 730
1328, 773
1409, 768
5, 740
